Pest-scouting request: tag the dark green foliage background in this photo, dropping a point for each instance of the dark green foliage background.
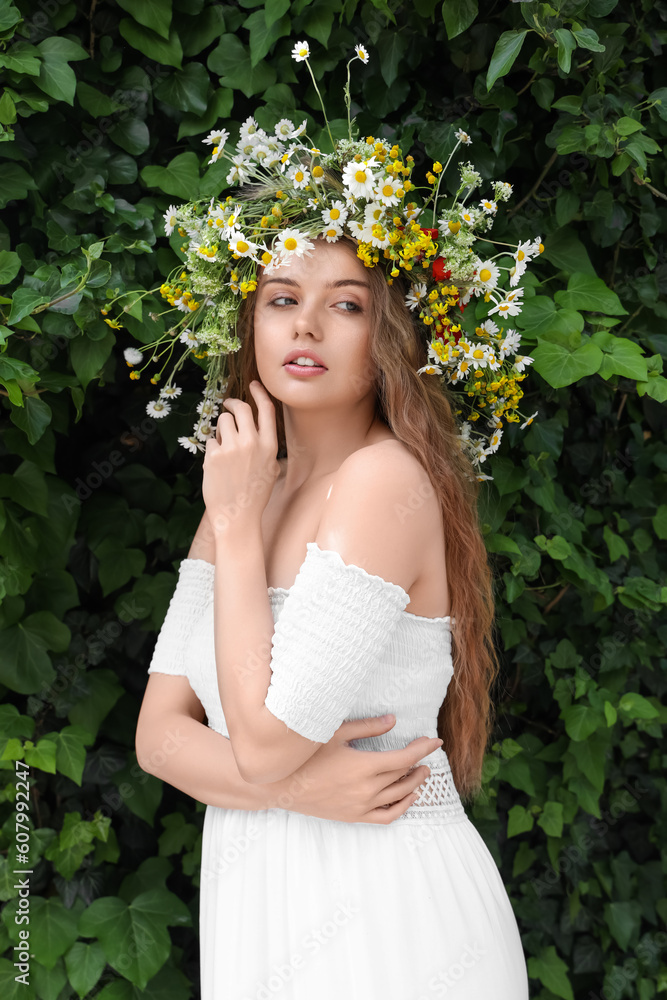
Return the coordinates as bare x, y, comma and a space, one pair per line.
102, 114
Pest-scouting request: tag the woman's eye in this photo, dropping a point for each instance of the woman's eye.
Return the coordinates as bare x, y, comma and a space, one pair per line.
281, 300
350, 306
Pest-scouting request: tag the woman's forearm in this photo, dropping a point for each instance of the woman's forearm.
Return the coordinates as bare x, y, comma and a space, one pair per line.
200, 762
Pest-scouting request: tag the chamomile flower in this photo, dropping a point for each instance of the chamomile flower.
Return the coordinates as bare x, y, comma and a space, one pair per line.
132, 356
218, 137
207, 409
332, 234
537, 246
292, 241
488, 206
502, 191
361, 53
158, 408
249, 128
299, 177
494, 442
170, 391
489, 326
301, 51
509, 344
336, 215
387, 191
521, 362
529, 421
463, 137
430, 370
284, 128
478, 356
240, 171
189, 339
525, 251
300, 130
517, 272
170, 220
191, 443
359, 178
204, 432
487, 276
241, 246
509, 306
415, 296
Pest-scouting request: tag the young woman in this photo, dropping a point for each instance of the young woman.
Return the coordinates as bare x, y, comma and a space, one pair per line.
322, 588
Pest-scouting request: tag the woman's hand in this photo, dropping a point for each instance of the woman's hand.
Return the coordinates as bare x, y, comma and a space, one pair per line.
240, 465
356, 786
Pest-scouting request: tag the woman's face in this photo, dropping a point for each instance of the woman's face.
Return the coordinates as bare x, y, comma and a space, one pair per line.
317, 305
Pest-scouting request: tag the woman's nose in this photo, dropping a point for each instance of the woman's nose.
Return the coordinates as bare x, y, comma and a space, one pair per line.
307, 321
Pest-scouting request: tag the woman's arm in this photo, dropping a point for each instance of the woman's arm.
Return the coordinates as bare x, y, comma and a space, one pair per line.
339, 782
363, 509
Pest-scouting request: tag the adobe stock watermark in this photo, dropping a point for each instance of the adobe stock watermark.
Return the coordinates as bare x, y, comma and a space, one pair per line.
447, 982
282, 973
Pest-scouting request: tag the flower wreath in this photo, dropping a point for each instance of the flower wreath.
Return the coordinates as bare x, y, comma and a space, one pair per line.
290, 193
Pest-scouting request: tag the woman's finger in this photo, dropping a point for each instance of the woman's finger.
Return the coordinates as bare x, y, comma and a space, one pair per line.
266, 414
242, 414
225, 430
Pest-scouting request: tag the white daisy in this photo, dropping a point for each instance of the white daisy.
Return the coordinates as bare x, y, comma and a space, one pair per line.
356, 229
207, 408
509, 344
242, 246
333, 233
488, 206
478, 356
415, 295
510, 306
170, 220
430, 370
465, 431
386, 191
284, 128
158, 408
525, 251
373, 213
189, 339
204, 432
494, 442
468, 217
361, 53
487, 275
240, 170
537, 247
517, 272
170, 392
521, 362
301, 51
489, 326
132, 356
299, 176
191, 443
463, 137
336, 215
300, 130
249, 127
292, 241
528, 421
359, 178
218, 137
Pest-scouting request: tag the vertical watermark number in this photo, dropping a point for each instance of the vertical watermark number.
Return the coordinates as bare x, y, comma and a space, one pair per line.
22, 917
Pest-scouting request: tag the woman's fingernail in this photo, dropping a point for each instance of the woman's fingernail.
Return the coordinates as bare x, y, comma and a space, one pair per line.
387, 718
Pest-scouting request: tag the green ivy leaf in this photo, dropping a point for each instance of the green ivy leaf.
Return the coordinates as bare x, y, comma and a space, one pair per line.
565, 46
180, 178
10, 265
458, 15
41, 755
56, 76
25, 665
89, 356
71, 743
581, 721
134, 938
550, 969
560, 366
659, 521
263, 35
153, 14
636, 706
33, 417
167, 52
623, 921
519, 820
590, 294
551, 819
505, 54
85, 964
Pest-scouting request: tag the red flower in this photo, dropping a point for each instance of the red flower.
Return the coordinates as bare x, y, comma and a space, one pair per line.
433, 233
439, 272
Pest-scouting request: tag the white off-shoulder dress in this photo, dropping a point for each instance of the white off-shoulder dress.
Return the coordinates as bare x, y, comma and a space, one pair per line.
300, 908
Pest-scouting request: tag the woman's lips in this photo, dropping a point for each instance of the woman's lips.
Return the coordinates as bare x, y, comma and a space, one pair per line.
305, 370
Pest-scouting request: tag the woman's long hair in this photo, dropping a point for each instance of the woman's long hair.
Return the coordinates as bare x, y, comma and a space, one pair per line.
422, 416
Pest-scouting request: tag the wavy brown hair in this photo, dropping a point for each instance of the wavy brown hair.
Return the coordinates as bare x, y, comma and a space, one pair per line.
422, 416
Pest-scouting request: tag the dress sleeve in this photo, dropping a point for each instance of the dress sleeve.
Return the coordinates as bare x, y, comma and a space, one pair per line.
335, 623
194, 591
